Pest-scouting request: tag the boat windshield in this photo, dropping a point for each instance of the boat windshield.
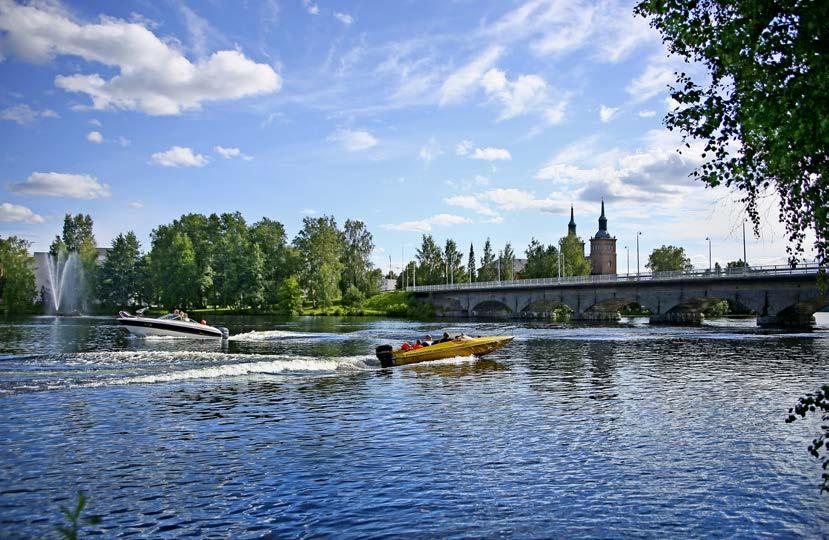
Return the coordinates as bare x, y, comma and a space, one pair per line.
170, 317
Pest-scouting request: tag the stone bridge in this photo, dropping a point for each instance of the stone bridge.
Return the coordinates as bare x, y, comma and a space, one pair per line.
779, 295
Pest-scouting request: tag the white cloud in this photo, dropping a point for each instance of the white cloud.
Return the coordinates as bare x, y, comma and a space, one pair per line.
430, 151
655, 80
309, 211
491, 154
517, 199
647, 114
136, 204
23, 114
353, 140
123, 141
95, 136
463, 148
229, 153
466, 79
153, 75
179, 156
95, 122
11, 213
52, 184
344, 18
555, 113
312, 8
425, 225
525, 94
606, 114
470, 202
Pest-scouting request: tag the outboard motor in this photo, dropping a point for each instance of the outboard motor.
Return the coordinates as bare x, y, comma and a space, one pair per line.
384, 354
225, 332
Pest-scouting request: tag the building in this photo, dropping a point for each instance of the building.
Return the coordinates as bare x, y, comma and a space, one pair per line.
602, 249
602, 246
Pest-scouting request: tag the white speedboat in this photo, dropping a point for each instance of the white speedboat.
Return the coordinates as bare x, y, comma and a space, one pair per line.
170, 325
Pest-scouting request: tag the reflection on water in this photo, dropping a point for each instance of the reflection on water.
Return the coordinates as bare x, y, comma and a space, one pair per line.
291, 429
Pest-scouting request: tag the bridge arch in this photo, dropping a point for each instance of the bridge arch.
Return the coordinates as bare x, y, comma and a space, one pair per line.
491, 308
800, 314
545, 308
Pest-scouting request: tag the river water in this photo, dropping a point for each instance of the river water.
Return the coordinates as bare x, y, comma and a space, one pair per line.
290, 429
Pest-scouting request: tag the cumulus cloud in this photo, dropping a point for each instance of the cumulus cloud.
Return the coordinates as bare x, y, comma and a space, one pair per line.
229, 153
95, 136
518, 199
52, 184
491, 154
136, 204
606, 114
470, 202
23, 114
430, 151
153, 76
344, 18
425, 225
353, 140
12, 213
463, 148
466, 79
179, 156
518, 97
309, 211
647, 114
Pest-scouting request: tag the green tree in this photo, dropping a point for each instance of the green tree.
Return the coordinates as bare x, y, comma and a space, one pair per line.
77, 230
320, 245
289, 296
761, 108
119, 280
669, 259
542, 262
430, 264
574, 263
473, 273
356, 258
739, 263
488, 270
17, 275
269, 236
454, 260
175, 272
507, 263
353, 297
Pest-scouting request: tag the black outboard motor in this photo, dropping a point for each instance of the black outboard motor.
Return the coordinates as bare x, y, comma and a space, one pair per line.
225, 332
384, 354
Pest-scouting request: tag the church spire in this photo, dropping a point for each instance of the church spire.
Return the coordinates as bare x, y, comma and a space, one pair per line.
602, 224
571, 227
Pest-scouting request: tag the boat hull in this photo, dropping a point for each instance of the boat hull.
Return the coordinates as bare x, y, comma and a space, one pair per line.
157, 328
467, 347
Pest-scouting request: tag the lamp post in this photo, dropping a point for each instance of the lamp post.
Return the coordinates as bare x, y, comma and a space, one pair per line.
638, 234
745, 258
627, 252
709, 252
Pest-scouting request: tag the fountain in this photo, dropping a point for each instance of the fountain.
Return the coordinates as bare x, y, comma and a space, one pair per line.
65, 276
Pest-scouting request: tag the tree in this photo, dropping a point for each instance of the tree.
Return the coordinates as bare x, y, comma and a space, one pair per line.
356, 258
174, 270
542, 262
320, 245
289, 296
762, 108
473, 273
353, 297
574, 263
17, 275
454, 260
77, 230
119, 279
507, 263
739, 263
669, 259
817, 402
488, 271
430, 263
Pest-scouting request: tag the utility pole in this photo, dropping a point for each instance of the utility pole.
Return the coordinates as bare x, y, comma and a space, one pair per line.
709, 252
627, 252
745, 258
638, 234
500, 254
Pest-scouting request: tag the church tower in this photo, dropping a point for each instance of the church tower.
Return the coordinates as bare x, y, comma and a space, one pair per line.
602, 249
571, 227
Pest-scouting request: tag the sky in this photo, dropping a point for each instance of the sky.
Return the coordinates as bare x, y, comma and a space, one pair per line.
462, 119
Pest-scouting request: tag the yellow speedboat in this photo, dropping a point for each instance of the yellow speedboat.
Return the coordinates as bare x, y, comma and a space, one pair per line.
460, 346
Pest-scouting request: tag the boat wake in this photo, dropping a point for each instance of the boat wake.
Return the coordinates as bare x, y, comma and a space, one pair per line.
273, 335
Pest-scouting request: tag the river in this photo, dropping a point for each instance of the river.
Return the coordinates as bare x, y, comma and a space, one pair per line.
290, 429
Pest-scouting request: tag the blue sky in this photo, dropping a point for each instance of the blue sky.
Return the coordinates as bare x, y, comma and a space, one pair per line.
463, 119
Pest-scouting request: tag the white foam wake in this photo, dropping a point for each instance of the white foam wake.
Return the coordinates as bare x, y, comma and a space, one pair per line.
270, 335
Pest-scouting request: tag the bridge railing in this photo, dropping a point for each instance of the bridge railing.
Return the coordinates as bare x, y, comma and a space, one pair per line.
725, 273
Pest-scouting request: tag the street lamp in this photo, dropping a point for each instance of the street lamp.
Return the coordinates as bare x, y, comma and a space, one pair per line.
709, 253
745, 258
638, 234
